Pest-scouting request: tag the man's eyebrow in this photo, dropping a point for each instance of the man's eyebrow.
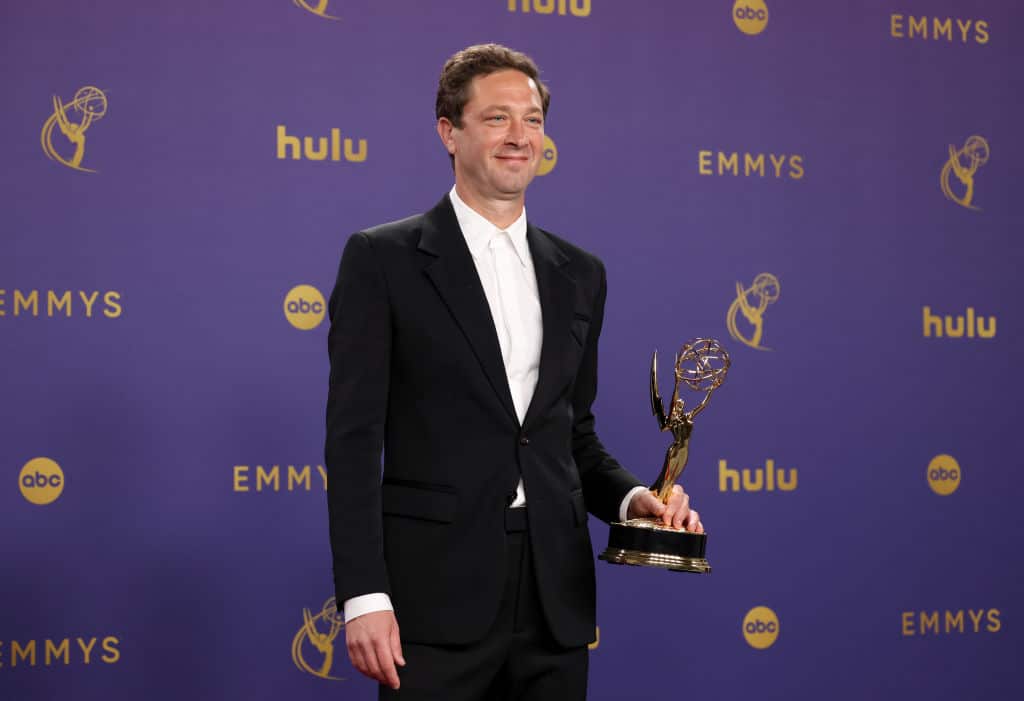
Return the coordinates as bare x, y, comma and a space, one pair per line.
506, 108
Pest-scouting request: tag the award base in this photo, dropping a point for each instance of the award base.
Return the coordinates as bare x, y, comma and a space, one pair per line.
650, 543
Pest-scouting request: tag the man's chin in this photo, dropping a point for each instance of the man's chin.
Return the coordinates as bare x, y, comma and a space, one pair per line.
515, 185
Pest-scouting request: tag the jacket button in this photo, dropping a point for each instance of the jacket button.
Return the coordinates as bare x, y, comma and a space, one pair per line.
524, 441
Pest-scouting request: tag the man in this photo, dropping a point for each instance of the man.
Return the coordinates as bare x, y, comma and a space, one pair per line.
463, 343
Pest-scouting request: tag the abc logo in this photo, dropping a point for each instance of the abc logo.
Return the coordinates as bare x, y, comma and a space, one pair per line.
760, 627
750, 16
304, 307
41, 481
944, 475
548, 157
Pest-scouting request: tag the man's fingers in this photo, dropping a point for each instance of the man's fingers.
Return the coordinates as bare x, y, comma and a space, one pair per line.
363, 659
683, 513
373, 645
363, 656
396, 646
373, 666
652, 504
678, 508
355, 656
645, 504
386, 663
676, 514
693, 523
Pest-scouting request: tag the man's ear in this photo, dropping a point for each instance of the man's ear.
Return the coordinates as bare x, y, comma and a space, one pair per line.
444, 130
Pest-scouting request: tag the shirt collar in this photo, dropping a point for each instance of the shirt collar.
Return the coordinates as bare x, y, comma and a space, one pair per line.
478, 231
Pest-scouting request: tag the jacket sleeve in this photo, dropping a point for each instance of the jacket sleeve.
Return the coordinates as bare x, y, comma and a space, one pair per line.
359, 345
605, 481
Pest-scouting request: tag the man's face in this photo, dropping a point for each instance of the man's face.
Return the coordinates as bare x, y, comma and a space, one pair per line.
498, 148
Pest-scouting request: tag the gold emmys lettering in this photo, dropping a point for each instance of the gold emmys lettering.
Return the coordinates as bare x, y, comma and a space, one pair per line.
948, 29
963, 164
310, 634
319, 8
752, 302
91, 103
950, 621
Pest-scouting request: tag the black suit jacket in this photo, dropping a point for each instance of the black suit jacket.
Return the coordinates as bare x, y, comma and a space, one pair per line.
416, 371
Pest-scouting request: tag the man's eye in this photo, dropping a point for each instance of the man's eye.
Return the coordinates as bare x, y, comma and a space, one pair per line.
496, 118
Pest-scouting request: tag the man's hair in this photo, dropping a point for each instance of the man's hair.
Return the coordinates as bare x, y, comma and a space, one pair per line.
481, 59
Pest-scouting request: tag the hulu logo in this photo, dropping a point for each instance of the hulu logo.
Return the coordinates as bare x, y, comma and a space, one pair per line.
768, 479
318, 148
959, 326
577, 8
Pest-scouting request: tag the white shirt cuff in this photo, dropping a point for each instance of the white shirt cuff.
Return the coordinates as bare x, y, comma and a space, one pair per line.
367, 603
624, 506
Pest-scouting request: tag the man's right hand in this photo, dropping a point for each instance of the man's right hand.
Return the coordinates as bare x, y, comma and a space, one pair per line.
374, 646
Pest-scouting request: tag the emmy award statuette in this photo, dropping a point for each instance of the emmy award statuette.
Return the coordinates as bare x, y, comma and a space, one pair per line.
701, 365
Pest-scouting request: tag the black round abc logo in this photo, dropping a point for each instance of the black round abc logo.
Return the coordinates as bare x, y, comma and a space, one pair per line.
943, 474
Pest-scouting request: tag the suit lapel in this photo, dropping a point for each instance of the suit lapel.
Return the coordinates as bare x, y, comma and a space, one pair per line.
556, 291
450, 268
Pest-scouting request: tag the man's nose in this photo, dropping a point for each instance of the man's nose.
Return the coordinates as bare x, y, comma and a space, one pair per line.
516, 133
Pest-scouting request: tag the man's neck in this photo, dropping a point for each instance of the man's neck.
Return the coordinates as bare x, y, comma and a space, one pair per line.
501, 213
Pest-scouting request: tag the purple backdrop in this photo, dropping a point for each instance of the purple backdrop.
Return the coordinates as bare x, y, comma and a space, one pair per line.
172, 565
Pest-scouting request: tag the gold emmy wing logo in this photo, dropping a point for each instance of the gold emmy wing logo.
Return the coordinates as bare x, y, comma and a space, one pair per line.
41, 481
312, 635
760, 627
958, 174
750, 16
319, 8
88, 106
548, 157
752, 302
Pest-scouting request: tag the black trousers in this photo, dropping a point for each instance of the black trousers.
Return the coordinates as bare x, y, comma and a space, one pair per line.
518, 659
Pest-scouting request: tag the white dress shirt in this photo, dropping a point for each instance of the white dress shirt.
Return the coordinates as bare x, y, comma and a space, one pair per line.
505, 266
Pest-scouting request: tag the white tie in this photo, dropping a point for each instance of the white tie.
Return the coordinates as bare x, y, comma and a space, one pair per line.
514, 326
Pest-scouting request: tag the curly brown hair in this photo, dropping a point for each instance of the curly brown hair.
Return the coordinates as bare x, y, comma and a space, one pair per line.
473, 61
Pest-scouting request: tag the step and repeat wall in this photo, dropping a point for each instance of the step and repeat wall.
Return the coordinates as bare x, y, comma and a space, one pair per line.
829, 189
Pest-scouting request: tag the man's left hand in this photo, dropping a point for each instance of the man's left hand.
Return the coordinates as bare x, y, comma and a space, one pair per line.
677, 513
